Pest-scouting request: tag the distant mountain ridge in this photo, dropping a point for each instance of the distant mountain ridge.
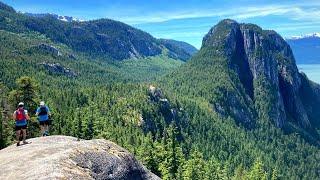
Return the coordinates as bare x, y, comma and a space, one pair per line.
188, 48
311, 35
59, 17
306, 48
102, 37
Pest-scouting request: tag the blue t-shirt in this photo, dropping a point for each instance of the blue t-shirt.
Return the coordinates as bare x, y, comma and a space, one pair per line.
45, 116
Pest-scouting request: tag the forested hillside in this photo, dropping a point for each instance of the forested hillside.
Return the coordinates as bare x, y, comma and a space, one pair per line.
238, 109
213, 117
103, 37
181, 49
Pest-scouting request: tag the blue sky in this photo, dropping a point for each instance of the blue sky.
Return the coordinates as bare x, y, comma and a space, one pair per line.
187, 20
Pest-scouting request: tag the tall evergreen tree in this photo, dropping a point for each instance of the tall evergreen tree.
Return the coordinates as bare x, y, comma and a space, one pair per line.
89, 131
195, 167
148, 155
274, 174
257, 172
240, 173
27, 92
173, 157
213, 170
79, 124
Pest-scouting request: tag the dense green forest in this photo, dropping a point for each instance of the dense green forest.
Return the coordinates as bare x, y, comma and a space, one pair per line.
102, 37
103, 102
158, 108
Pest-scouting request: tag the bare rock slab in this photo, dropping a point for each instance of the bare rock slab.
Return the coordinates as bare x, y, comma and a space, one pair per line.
63, 157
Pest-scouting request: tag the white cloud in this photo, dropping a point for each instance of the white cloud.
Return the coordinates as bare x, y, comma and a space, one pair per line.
309, 12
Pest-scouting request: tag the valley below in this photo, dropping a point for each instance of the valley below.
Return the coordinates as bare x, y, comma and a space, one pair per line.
127, 105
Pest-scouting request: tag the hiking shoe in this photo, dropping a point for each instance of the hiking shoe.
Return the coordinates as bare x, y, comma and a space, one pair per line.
18, 143
46, 133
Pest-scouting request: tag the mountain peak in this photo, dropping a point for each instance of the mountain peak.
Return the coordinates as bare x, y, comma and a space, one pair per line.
103, 37
261, 59
219, 32
6, 7
227, 21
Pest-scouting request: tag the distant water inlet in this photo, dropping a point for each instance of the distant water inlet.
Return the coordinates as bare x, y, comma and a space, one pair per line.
311, 70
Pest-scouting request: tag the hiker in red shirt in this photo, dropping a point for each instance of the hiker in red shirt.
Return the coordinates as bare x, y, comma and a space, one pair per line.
21, 116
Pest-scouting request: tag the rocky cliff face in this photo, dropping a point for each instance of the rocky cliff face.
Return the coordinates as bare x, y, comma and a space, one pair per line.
266, 69
61, 157
57, 68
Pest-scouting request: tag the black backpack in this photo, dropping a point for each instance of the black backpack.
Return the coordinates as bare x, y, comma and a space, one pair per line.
43, 111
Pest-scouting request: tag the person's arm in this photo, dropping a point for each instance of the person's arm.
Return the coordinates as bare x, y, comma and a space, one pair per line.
14, 116
49, 113
27, 115
37, 112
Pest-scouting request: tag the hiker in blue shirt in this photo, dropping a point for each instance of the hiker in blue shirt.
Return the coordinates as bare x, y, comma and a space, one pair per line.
43, 114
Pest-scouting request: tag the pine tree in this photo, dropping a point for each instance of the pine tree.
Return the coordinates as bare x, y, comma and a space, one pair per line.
79, 124
274, 174
226, 170
26, 92
4, 130
173, 156
195, 167
257, 172
240, 173
89, 131
213, 170
148, 154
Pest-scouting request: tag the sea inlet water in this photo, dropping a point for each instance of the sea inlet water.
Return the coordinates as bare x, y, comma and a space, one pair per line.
311, 70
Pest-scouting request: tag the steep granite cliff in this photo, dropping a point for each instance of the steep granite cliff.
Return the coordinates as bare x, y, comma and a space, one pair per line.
250, 75
266, 68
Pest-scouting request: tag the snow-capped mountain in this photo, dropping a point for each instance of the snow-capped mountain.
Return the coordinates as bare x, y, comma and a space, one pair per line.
60, 17
306, 48
311, 35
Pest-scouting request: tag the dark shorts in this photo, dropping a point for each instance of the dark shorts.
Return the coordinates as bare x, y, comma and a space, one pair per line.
47, 122
18, 128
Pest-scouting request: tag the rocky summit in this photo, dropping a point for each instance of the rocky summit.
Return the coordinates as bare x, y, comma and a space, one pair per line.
63, 157
263, 60
250, 75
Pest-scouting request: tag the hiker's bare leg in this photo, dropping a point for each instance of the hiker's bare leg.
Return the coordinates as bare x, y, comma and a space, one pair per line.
18, 136
24, 135
47, 128
42, 129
